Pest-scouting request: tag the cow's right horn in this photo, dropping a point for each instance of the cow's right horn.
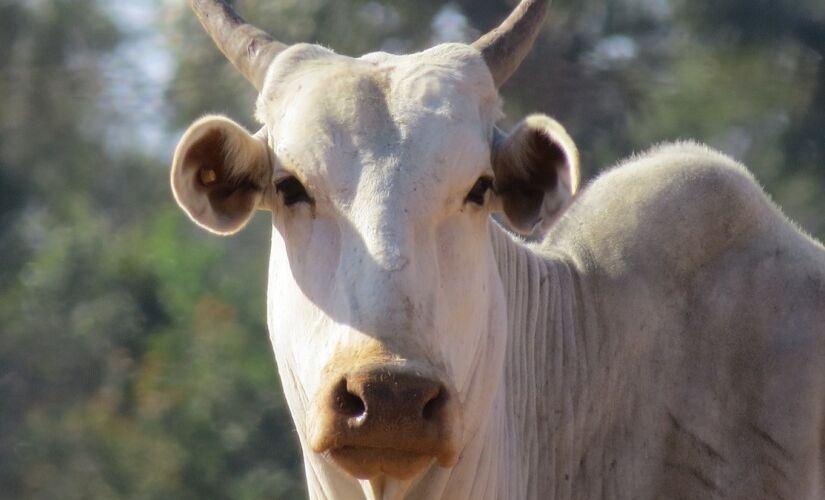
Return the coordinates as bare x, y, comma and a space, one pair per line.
248, 48
506, 46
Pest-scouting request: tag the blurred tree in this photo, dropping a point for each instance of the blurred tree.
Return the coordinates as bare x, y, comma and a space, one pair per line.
789, 35
116, 318
41, 140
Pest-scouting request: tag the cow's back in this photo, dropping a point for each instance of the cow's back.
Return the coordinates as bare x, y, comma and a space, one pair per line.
713, 305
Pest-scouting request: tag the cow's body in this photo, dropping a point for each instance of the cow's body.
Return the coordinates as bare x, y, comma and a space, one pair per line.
665, 340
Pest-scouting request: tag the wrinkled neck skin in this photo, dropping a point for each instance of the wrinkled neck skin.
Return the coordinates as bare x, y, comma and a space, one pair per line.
547, 385
539, 411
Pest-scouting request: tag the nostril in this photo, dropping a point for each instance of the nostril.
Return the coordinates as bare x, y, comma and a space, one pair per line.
352, 405
347, 403
433, 407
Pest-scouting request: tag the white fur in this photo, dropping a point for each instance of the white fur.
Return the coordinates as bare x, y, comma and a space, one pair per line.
664, 341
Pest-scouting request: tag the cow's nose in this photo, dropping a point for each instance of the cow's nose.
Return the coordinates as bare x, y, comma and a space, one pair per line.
389, 396
388, 420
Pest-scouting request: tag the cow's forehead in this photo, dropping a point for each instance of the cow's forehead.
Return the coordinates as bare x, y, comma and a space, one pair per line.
424, 118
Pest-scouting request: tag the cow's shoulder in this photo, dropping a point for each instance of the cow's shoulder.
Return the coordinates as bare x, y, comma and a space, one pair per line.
672, 209
685, 235
682, 249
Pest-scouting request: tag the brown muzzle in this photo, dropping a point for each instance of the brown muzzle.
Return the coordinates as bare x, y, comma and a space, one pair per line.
387, 421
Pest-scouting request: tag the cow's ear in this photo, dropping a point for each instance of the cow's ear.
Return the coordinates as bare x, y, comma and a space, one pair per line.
536, 171
219, 174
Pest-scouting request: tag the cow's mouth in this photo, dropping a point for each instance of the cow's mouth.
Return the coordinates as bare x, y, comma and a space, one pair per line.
368, 463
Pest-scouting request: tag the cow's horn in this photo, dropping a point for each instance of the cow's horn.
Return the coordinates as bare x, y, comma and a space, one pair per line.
506, 46
248, 48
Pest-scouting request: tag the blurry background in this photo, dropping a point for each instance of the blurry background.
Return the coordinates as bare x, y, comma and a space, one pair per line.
134, 358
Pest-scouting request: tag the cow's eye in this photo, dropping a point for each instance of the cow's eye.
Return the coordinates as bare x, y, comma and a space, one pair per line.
292, 191
479, 190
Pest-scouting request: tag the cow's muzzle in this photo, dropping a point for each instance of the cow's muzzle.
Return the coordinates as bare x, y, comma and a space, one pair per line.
387, 421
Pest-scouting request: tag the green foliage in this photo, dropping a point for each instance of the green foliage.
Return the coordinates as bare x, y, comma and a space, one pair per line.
134, 359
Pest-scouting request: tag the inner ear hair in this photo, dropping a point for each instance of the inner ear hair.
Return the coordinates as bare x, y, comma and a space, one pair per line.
541, 152
224, 158
536, 154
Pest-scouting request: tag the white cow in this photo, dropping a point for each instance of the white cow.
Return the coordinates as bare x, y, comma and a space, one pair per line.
666, 340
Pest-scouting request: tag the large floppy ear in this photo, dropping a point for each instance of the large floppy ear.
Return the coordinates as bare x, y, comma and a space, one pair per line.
219, 174
536, 172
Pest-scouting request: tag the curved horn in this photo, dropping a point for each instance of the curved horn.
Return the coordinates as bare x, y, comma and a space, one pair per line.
506, 46
248, 48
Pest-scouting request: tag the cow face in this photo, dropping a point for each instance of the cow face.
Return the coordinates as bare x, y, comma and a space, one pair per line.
386, 311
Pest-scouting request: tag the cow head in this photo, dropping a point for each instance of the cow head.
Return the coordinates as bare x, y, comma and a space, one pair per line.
386, 310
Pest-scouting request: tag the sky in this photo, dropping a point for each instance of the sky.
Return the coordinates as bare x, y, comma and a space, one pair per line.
138, 72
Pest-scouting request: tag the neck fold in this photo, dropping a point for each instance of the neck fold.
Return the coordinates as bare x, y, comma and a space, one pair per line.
546, 369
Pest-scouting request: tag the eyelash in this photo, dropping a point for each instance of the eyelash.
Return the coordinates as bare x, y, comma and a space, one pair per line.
292, 191
477, 194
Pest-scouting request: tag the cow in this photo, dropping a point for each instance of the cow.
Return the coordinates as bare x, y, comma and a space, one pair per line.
664, 339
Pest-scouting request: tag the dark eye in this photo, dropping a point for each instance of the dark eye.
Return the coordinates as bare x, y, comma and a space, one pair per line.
480, 188
293, 191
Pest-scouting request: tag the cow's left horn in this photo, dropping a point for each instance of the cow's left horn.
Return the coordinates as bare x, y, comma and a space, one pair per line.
248, 48
506, 46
